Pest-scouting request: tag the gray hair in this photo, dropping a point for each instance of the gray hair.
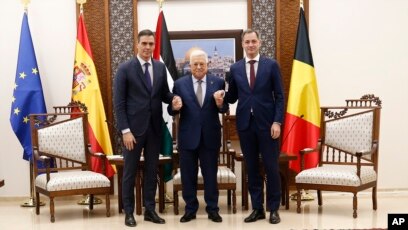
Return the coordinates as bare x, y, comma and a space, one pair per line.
197, 52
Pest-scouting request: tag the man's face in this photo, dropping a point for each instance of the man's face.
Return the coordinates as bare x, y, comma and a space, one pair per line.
145, 47
251, 44
198, 67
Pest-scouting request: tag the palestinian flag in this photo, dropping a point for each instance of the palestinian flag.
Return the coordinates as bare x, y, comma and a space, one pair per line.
302, 120
85, 89
164, 53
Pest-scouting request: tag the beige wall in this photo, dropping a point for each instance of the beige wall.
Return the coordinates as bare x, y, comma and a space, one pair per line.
358, 47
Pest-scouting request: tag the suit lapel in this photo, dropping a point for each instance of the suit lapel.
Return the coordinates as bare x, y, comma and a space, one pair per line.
190, 87
244, 74
208, 90
156, 76
140, 74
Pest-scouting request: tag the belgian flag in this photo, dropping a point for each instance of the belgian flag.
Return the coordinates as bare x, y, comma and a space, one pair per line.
302, 119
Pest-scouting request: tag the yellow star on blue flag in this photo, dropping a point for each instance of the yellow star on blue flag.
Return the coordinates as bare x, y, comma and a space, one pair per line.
28, 97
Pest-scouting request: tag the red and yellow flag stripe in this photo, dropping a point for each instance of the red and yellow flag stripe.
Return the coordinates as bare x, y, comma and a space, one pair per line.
86, 89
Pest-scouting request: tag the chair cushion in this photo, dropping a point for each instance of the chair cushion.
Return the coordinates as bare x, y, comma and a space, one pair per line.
72, 180
224, 175
337, 175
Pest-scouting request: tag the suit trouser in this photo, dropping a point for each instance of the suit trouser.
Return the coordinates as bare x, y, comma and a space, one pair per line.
189, 169
255, 142
150, 143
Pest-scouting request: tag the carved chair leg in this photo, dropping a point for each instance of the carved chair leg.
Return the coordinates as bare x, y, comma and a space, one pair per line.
319, 197
176, 202
37, 203
299, 198
355, 205
52, 209
107, 205
234, 202
374, 198
91, 200
229, 197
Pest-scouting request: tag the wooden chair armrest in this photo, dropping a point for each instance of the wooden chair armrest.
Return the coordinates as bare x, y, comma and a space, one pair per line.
305, 151
46, 161
368, 152
99, 155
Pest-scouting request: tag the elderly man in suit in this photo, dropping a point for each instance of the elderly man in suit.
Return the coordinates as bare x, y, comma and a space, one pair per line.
256, 83
140, 87
199, 134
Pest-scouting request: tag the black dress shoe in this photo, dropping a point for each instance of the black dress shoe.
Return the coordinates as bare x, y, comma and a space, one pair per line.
153, 217
187, 217
274, 217
130, 220
215, 217
255, 215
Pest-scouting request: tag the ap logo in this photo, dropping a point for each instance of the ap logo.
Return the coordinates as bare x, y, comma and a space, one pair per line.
397, 221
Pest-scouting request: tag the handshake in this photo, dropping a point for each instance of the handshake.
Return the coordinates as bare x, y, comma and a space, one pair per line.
219, 98
177, 103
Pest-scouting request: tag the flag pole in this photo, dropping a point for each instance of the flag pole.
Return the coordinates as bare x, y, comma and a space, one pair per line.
304, 194
167, 198
86, 200
31, 202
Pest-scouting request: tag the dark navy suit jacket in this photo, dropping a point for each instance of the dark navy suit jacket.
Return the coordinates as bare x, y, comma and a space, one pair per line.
134, 103
266, 100
199, 123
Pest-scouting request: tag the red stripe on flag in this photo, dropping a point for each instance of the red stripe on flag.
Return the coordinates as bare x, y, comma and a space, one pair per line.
299, 134
157, 48
82, 36
96, 163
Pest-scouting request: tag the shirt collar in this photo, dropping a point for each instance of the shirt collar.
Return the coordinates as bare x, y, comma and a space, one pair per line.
142, 62
256, 58
204, 79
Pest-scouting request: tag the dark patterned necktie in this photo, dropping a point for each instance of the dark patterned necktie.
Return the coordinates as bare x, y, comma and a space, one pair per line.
147, 76
252, 74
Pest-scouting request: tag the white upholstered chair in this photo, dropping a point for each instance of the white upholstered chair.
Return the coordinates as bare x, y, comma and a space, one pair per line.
60, 142
348, 151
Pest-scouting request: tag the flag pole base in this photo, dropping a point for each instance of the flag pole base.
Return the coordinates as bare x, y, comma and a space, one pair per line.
87, 199
31, 203
304, 196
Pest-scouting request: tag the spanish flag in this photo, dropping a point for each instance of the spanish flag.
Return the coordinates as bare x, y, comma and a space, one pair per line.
302, 120
85, 89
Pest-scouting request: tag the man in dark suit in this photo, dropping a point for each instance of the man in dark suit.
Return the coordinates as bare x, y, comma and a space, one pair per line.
199, 135
140, 87
256, 83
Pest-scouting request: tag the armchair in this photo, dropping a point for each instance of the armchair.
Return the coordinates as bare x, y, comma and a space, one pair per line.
348, 151
60, 141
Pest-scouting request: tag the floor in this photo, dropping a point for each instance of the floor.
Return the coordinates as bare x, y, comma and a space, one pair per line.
336, 213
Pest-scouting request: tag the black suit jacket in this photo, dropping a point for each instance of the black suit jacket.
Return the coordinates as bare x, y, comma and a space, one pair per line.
134, 104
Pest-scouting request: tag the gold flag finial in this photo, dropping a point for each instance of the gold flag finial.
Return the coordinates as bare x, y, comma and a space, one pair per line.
25, 3
301, 3
160, 3
81, 7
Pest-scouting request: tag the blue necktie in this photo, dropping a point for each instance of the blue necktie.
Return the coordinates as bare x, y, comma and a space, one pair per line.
147, 76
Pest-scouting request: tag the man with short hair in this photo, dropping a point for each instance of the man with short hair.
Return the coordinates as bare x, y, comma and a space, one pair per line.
140, 87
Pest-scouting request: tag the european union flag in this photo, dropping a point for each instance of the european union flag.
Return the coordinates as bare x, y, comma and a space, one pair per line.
28, 94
